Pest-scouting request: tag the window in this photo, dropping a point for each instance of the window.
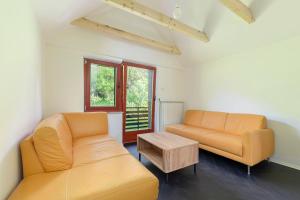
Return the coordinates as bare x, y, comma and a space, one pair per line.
103, 86
139, 100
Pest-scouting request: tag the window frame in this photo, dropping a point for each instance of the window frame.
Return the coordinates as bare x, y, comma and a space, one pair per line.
129, 137
87, 86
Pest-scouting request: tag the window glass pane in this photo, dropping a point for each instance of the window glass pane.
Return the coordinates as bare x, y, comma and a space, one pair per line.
139, 97
103, 86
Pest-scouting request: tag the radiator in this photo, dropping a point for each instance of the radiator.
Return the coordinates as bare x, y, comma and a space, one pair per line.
170, 112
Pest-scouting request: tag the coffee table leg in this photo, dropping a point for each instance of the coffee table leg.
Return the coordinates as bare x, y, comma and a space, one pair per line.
139, 157
195, 168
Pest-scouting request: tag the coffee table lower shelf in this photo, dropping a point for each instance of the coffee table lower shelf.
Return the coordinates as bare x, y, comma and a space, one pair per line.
154, 156
177, 154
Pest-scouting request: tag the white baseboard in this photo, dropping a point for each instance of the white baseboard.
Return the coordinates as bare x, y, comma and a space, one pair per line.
280, 162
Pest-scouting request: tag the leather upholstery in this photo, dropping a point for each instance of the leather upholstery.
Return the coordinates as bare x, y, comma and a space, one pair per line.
121, 177
214, 120
176, 128
226, 142
95, 148
240, 123
87, 124
193, 117
260, 145
53, 143
31, 163
100, 168
188, 131
43, 186
118, 178
243, 138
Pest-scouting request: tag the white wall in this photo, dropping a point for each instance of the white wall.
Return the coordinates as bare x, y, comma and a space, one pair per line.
20, 107
264, 81
63, 71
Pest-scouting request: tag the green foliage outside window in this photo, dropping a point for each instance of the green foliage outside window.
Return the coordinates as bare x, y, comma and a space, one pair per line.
137, 87
103, 86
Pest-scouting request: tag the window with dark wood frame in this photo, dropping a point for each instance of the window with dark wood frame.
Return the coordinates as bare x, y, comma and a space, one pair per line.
106, 95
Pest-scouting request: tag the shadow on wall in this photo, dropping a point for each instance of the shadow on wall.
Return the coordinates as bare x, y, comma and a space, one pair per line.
287, 143
10, 165
258, 7
213, 19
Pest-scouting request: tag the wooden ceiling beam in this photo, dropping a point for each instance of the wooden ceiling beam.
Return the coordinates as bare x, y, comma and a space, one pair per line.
88, 24
157, 17
239, 9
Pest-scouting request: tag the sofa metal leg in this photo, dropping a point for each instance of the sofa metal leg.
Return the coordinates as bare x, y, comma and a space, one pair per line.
249, 170
139, 157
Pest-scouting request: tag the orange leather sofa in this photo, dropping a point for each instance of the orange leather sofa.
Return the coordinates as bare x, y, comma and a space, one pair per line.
70, 156
240, 137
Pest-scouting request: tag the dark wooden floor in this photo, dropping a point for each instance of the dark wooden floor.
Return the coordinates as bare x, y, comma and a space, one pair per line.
221, 178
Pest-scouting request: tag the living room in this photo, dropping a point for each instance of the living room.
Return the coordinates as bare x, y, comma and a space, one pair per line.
212, 83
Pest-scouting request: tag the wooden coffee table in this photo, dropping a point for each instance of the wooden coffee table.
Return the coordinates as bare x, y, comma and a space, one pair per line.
167, 151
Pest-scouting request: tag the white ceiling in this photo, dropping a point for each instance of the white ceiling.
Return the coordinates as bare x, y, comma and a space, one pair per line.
275, 20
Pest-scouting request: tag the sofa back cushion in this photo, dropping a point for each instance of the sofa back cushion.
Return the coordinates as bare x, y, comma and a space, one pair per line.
193, 117
214, 120
87, 124
53, 143
239, 123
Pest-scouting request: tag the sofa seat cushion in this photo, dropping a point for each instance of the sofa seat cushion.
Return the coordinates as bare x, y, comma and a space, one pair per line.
187, 131
91, 140
224, 141
46, 186
176, 128
95, 148
116, 178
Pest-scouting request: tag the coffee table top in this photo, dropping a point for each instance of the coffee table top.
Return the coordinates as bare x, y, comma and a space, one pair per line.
167, 141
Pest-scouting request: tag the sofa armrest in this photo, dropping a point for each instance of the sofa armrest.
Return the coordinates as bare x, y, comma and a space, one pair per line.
30, 161
258, 145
